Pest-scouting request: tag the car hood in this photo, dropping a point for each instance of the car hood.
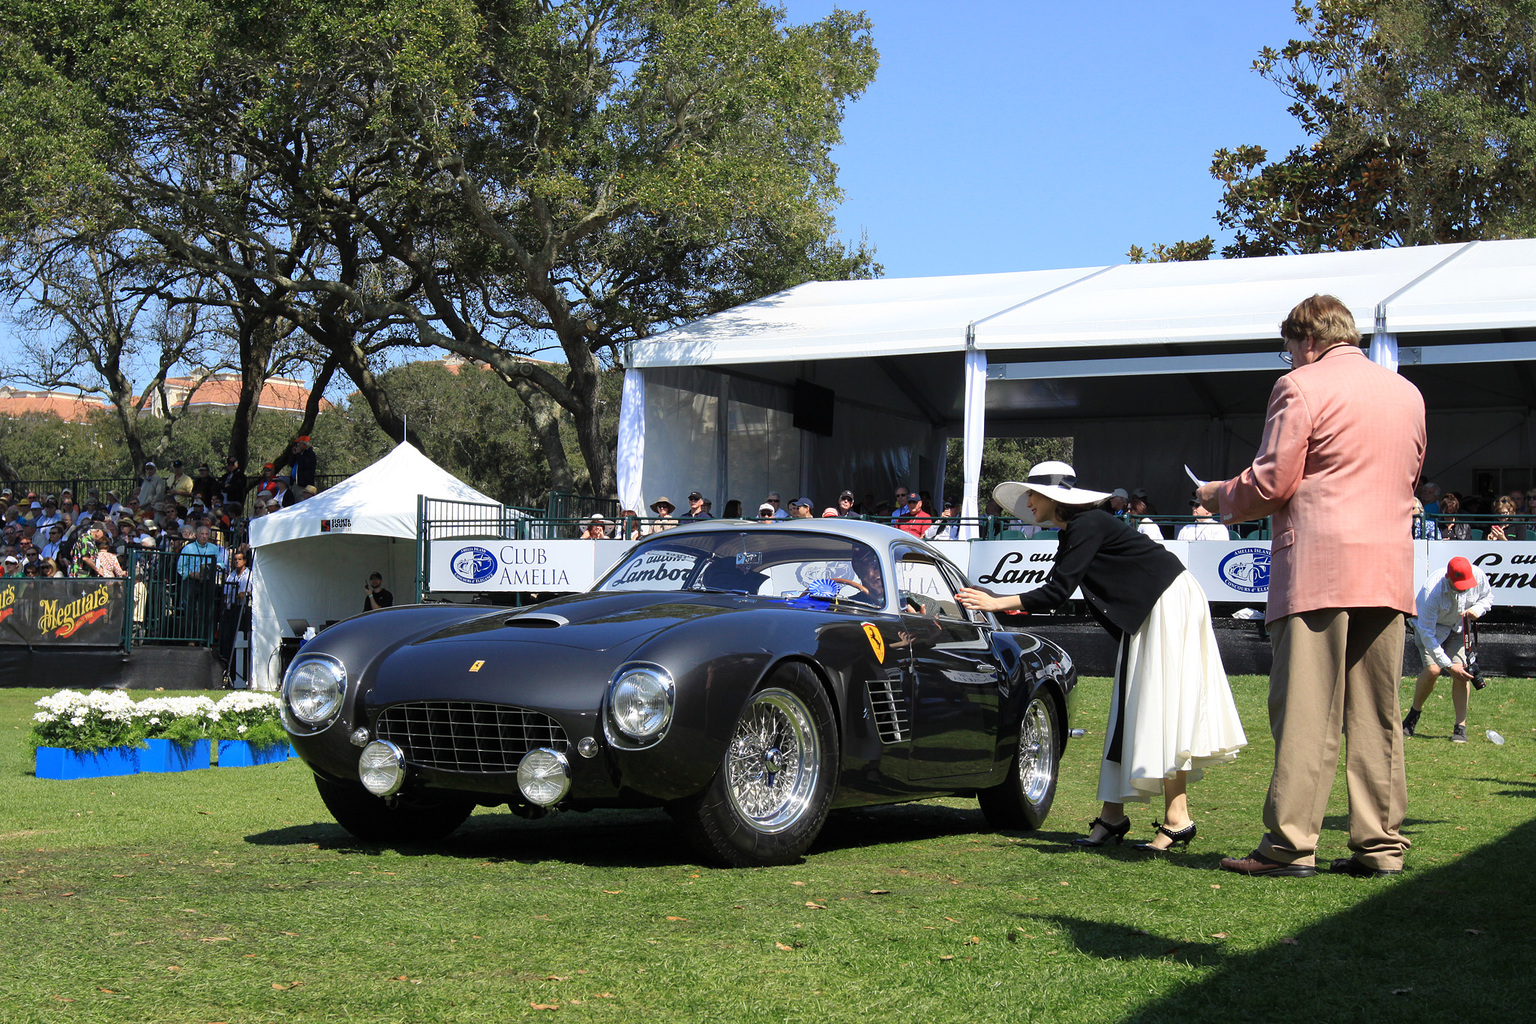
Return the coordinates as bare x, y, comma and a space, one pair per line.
592, 622
559, 655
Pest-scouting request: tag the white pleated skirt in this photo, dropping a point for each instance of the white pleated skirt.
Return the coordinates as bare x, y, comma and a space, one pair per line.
1179, 715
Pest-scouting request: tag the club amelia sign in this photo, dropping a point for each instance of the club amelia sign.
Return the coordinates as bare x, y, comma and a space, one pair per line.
527, 566
46, 612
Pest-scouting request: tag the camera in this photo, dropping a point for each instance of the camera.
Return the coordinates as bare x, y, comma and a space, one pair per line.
1478, 682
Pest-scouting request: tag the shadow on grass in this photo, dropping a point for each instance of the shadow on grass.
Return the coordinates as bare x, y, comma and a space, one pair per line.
628, 838
1452, 942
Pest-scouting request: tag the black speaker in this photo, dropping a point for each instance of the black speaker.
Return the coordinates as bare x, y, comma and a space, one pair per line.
813, 407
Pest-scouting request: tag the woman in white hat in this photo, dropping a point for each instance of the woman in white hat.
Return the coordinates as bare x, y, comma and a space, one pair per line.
1172, 711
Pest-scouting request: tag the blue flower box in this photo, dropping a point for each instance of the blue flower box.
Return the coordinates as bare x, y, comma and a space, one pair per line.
170, 756
60, 763
240, 754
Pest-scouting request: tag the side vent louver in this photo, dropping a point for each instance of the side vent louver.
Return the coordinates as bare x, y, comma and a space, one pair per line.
892, 719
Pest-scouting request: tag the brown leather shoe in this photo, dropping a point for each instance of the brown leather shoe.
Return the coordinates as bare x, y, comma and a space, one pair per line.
1260, 866
1354, 868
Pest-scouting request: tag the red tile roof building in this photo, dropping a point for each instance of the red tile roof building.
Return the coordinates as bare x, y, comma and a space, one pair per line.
66, 405
221, 391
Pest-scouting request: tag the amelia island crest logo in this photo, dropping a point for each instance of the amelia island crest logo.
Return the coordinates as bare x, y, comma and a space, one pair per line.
1246, 569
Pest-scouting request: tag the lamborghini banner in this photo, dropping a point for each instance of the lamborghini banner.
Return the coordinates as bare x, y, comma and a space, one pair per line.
45, 612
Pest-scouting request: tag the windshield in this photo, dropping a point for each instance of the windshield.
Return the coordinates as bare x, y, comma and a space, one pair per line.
754, 560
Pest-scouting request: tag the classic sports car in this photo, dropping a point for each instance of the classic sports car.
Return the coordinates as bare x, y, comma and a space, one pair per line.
749, 678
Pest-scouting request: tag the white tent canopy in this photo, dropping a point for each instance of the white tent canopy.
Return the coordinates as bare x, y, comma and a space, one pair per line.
1107, 354
313, 559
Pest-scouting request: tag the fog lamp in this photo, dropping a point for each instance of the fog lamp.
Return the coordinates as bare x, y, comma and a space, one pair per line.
381, 767
544, 776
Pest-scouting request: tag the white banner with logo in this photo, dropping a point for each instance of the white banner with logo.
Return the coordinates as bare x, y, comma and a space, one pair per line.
1228, 571
512, 566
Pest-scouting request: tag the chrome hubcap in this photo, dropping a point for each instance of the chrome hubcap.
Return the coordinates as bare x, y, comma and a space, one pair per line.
773, 762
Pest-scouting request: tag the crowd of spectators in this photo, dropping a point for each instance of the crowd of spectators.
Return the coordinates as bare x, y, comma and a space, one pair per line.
1450, 515
182, 538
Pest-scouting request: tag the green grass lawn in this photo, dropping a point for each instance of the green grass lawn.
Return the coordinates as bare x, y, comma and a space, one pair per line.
228, 895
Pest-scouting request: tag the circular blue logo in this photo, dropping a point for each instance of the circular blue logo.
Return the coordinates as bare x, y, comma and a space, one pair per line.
1246, 569
473, 564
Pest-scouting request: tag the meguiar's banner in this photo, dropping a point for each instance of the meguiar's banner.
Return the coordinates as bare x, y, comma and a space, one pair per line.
48, 612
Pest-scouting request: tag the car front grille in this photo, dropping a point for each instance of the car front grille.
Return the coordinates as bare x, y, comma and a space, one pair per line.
467, 736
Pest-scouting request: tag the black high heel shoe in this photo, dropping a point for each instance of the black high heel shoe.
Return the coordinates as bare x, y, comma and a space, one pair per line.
1183, 835
1116, 832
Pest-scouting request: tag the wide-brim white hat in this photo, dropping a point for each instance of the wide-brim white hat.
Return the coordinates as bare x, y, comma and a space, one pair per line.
1055, 480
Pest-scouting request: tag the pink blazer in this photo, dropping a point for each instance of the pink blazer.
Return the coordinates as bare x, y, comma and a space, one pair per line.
1341, 453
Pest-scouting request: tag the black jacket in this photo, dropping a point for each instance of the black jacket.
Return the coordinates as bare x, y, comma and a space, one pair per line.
1122, 572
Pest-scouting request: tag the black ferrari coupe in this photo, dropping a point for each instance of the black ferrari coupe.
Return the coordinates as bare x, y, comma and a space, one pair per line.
748, 678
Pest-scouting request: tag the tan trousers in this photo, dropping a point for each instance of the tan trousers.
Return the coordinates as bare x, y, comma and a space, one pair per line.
1336, 669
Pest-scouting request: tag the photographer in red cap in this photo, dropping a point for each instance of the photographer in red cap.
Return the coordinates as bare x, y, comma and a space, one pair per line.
1445, 604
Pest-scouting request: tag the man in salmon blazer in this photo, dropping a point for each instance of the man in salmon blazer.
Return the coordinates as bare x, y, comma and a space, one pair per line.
1341, 453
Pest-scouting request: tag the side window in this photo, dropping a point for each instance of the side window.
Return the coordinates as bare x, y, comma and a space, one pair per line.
924, 588
956, 581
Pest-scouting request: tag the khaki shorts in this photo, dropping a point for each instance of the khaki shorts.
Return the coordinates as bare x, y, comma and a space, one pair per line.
1454, 648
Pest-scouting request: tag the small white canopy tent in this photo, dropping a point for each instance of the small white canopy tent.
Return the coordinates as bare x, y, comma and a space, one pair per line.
313, 559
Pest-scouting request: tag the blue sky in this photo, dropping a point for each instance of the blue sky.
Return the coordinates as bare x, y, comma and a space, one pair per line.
1002, 136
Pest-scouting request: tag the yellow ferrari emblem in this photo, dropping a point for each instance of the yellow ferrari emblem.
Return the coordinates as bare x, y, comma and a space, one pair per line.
876, 641
476, 666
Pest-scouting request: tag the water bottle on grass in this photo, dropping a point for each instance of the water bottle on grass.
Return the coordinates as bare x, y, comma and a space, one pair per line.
1494, 738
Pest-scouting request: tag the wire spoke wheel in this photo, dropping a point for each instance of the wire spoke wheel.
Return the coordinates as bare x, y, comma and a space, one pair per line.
774, 761
1037, 752
1024, 798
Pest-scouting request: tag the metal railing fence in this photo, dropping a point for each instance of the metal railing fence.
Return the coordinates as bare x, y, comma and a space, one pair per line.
174, 599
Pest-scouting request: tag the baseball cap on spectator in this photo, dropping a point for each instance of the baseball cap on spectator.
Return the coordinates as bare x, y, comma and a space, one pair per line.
268, 465
695, 496
12, 560
951, 502
148, 464
845, 496
1119, 492
801, 502
303, 437
36, 503
1460, 573
829, 513
765, 509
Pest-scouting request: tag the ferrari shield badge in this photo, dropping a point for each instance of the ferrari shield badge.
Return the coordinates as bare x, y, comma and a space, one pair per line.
876, 641
476, 666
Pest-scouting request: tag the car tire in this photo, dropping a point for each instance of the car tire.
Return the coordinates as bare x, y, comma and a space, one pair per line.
373, 820
1024, 798
770, 797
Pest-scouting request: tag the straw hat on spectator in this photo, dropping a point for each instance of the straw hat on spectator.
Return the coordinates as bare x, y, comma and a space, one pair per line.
1055, 480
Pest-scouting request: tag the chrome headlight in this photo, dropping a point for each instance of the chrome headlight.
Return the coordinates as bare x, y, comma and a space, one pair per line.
640, 700
313, 688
